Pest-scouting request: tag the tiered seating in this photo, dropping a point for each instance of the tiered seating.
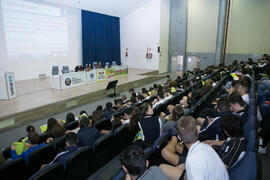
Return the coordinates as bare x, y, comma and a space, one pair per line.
7, 171
39, 157
113, 168
78, 164
247, 167
53, 171
101, 160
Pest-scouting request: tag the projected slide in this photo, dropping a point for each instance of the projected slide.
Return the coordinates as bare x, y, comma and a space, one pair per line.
34, 31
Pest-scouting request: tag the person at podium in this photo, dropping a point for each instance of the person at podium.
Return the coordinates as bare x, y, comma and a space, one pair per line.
79, 68
99, 65
88, 67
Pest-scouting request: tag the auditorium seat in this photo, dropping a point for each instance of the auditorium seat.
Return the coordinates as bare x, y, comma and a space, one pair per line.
78, 164
104, 124
249, 125
155, 157
161, 141
13, 169
120, 175
137, 104
43, 138
72, 125
7, 152
168, 102
251, 140
159, 108
39, 157
51, 172
102, 152
116, 114
121, 139
245, 169
59, 144
176, 98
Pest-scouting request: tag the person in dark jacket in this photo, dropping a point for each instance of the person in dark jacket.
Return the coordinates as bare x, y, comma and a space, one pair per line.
210, 130
108, 111
87, 135
71, 147
149, 125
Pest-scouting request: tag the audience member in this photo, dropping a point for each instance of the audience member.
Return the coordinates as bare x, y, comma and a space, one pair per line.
169, 121
133, 124
83, 113
118, 104
51, 122
96, 116
145, 94
139, 98
133, 100
116, 123
125, 99
201, 162
238, 106
136, 166
58, 130
186, 103
29, 129
71, 147
243, 90
149, 125
34, 140
159, 100
167, 95
234, 86
210, 129
160, 88
131, 91
127, 115
169, 79
70, 118
108, 111
233, 149
87, 135
99, 108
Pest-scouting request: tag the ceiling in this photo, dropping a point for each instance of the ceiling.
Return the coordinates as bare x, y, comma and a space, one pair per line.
119, 8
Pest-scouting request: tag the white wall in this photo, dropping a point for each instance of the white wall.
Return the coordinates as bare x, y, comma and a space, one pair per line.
29, 68
164, 35
249, 27
202, 25
139, 30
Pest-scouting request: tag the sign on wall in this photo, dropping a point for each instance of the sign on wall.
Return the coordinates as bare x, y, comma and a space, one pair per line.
11, 88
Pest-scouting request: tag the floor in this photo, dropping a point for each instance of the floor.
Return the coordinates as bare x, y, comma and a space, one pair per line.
265, 159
